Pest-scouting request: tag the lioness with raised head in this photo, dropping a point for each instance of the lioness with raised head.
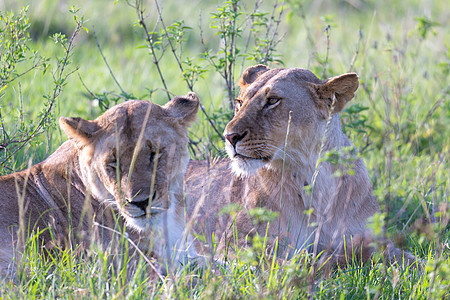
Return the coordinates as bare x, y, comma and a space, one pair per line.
133, 156
271, 165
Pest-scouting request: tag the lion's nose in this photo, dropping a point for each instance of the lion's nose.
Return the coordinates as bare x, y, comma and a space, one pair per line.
233, 138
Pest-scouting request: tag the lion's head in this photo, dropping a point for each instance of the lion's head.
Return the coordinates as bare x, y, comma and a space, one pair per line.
135, 154
272, 99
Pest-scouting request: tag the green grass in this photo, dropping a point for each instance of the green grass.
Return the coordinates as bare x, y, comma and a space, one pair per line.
402, 131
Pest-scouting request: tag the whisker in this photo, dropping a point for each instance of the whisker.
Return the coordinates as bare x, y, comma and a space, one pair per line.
286, 153
282, 150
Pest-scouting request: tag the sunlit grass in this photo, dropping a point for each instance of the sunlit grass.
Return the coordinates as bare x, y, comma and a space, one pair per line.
404, 77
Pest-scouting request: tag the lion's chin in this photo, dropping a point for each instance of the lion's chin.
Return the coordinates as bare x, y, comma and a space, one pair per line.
244, 167
141, 222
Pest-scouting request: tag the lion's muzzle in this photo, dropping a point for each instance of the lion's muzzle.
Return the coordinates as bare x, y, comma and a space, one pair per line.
138, 207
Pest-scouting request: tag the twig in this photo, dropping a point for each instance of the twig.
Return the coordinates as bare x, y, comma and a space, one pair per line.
180, 66
202, 41
327, 30
211, 122
34, 66
231, 88
59, 82
149, 39
355, 56
86, 88
275, 31
170, 44
21, 104
106, 62
247, 43
228, 51
3, 127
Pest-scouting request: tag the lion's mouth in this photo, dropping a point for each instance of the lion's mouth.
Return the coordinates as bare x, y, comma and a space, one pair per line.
259, 155
142, 205
238, 155
245, 157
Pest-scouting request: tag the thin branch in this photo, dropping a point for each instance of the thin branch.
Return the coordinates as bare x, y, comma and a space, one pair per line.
170, 44
59, 82
34, 66
275, 31
2, 125
190, 86
251, 18
149, 39
355, 56
327, 30
106, 62
231, 88
202, 41
87, 89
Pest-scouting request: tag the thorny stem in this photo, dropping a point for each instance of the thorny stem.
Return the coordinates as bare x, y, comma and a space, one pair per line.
86, 88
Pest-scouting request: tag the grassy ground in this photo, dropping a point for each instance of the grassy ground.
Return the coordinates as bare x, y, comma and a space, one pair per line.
399, 120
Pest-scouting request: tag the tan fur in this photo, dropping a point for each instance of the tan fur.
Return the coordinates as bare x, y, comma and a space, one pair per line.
260, 173
79, 180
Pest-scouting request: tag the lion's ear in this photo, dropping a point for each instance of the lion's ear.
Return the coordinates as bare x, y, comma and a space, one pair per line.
342, 87
250, 74
78, 129
183, 108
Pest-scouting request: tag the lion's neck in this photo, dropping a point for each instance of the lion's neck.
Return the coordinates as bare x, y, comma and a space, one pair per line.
298, 183
297, 167
58, 182
62, 169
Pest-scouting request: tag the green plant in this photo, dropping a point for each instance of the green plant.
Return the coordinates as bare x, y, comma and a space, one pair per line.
15, 53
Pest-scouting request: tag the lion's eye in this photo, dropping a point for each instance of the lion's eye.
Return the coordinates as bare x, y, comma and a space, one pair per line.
238, 104
272, 101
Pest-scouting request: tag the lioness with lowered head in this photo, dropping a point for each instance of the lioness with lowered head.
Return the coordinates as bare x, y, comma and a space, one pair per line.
271, 166
133, 156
